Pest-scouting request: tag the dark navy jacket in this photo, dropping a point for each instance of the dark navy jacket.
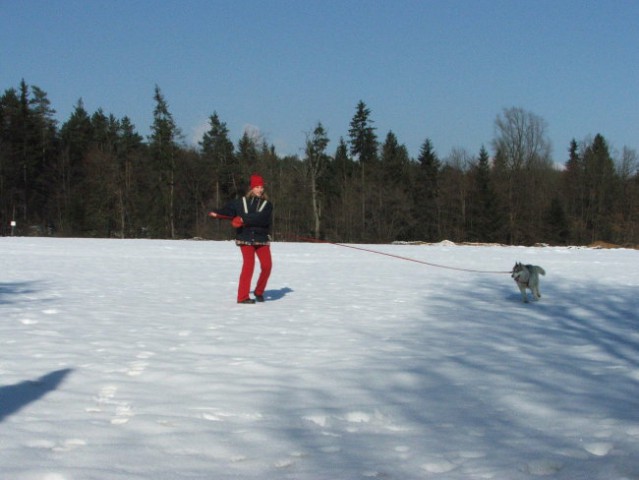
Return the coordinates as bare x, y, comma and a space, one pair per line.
257, 215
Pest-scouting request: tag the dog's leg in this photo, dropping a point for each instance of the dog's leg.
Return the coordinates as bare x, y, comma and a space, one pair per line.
524, 296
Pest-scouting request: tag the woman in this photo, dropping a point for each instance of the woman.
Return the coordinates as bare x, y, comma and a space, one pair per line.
252, 216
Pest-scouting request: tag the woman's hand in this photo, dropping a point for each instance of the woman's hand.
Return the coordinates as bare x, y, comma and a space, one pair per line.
212, 214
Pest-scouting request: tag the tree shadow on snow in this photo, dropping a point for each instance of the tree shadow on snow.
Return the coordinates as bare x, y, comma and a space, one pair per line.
481, 372
15, 397
10, 290
477, 374
529, 370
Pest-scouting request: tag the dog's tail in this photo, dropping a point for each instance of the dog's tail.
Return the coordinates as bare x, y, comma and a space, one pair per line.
541, 270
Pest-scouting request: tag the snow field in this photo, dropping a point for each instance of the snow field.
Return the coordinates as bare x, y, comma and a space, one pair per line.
130, 359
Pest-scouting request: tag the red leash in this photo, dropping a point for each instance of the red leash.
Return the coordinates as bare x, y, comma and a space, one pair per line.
236, 221
222, 217
315, 240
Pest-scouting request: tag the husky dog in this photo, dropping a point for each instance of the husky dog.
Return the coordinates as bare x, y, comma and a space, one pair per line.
527, 276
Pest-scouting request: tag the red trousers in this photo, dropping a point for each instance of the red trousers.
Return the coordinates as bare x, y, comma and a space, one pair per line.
263, 253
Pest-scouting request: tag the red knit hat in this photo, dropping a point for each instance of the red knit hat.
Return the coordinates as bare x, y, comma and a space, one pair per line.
256, 181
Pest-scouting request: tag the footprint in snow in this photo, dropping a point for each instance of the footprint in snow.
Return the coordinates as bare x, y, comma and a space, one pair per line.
123, 414
358, 417
331, 449
439, 466
289, 462
284, 463
211, 417
123, 410
600, 449
471, 454
403, 451
45, 444
70, 444
375, 474
542, 467
319, 420
137, 368
67, 445
106, 394
54, 476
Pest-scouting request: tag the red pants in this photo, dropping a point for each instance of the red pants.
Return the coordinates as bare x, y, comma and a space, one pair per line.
249, 252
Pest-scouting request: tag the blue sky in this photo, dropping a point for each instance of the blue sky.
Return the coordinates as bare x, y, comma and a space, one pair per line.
441, 70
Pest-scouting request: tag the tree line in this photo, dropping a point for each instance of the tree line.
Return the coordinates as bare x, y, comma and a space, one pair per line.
94, 175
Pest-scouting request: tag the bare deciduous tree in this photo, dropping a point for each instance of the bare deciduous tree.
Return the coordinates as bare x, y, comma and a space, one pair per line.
522, 152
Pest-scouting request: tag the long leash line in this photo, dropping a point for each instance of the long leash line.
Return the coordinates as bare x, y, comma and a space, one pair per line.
408, 259
315, 240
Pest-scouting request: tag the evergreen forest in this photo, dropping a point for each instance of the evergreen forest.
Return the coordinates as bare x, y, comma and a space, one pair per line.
95, 176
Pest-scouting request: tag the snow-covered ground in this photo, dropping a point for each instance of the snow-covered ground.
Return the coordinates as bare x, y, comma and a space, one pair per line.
129, 359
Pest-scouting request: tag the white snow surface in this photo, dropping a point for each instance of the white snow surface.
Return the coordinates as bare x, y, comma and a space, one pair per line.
129, 359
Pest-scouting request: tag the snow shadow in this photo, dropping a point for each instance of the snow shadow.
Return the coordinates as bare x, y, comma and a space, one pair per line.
277, 294
10, 291
553, 372
478, 377
15, 397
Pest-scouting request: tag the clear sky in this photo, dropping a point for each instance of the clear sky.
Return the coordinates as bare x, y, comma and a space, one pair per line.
436, 69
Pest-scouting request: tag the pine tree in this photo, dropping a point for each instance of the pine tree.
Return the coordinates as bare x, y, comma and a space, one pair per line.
574, 190
363, 147
556, 223
27, 150
395, 162
219, 151
485, 218
426, 205
601, 182
343, 200
247, 157
316, 161
45, 144
76, 135
164, 151
129, 150
12, 198
363, 139
628, 197
394, 220
101, 180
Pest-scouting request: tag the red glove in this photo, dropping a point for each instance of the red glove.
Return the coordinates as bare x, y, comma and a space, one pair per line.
237, 222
